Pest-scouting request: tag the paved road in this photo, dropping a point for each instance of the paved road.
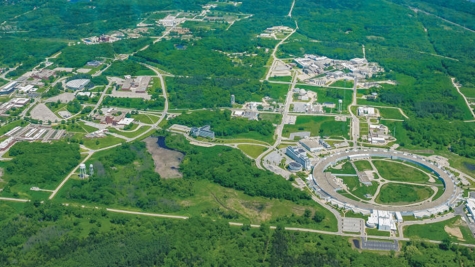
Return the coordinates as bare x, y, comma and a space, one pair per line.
154, 126
149, 214
14, 199
100, 99
280, 127
355, 122
464, 98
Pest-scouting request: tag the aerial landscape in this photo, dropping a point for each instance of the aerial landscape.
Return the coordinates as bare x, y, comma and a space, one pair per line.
250, 133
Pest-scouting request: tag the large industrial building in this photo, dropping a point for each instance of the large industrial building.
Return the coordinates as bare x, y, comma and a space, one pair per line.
78, 84
7, 89
299, 155
384, 220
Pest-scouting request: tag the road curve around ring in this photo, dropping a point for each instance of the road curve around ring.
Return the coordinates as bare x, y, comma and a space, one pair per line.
329, 186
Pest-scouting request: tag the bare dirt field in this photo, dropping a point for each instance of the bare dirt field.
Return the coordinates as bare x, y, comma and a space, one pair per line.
42, 112
166, 161
454, 231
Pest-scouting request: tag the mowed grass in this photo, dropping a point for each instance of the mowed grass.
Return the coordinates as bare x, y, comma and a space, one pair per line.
376, 232
86, 127
468, 92
346, 168
358, 189
391, 113
273, 118
395, 171
363, 165
278, 91
142, 118
343, 83
251, 150
317, 126
97, 143
403, 194
131, 134
436, 231
281, 78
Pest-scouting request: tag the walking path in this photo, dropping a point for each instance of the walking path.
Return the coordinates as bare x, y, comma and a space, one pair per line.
464, 98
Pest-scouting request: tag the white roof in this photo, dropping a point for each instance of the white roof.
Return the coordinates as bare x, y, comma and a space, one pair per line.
77, 83
125, 121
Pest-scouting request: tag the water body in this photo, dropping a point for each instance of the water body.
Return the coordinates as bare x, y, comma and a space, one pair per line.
469, 166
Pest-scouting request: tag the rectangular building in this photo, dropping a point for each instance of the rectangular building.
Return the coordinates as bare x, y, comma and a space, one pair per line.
299, 155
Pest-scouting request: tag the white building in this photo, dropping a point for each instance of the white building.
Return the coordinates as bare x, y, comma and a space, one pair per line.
26, 89
366, 111
471, 206
125, 121
384, 220
78, 84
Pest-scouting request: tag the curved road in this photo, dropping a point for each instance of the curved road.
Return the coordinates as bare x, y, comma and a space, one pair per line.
329, 186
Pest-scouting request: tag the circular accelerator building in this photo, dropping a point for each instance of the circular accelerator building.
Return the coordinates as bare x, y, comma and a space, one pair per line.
327, 186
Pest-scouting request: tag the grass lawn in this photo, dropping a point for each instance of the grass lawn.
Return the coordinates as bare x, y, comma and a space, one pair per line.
318, 126
87, 128
391, 113
132, 134
376, 232
252, 151
346, 168
358, 189
396, 171
363, 165
250, 135
145, 118
274, 118
278, 91
468, 92
96, 143
9, 126
436, 231
281, 78
343, 83
403, 193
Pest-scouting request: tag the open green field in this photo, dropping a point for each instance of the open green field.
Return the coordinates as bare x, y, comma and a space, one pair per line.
131, 134
403, 193
87, 128
436, 231
251, 150
358, 189
318, 126
96, 143
278, 91
363, 165
281, 78
395, 171
274, 118
145, 118
391, 113
376, 232
468, 92
343, 83
346, 168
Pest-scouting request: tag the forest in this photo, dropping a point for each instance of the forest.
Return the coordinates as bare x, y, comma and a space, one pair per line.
156, 103
229, 167
40, 163
222, 124
51, 234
